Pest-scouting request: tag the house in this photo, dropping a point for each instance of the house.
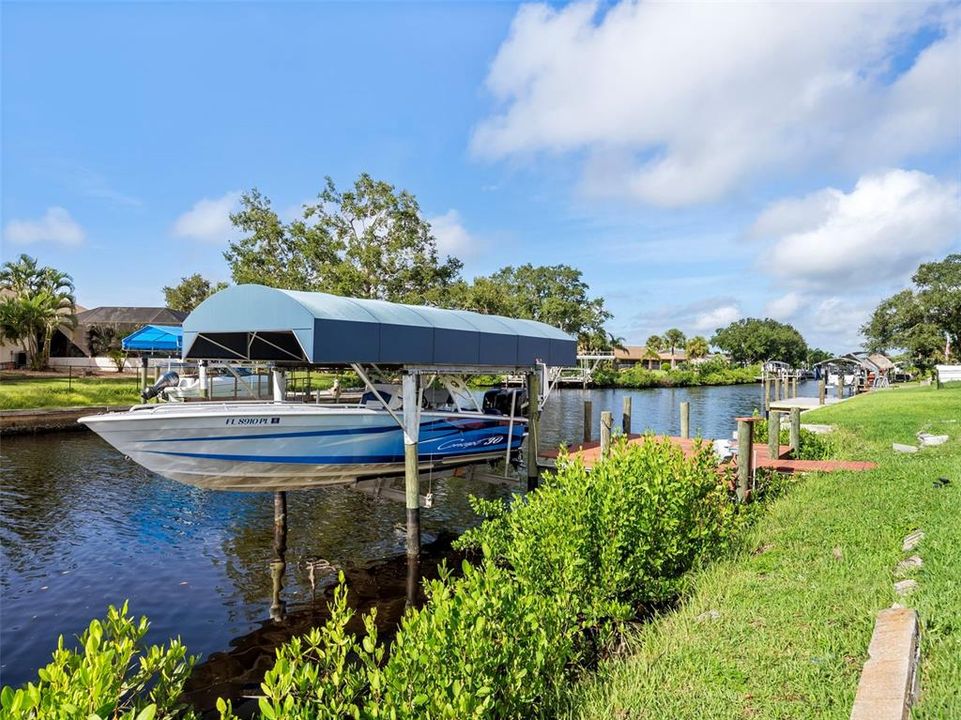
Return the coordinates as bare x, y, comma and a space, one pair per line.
103, 327
632, 355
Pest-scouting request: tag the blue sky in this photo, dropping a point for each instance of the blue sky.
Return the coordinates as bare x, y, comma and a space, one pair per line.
698, 163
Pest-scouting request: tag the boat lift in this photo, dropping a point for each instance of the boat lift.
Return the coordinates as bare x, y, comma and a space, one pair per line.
291, 329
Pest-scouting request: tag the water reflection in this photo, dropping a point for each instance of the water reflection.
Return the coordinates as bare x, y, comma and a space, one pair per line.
383, 586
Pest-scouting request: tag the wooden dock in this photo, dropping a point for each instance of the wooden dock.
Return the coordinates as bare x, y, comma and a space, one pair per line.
589, 453
805, 403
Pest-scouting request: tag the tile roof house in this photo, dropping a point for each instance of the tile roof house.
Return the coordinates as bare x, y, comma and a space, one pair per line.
632, 355
119, 320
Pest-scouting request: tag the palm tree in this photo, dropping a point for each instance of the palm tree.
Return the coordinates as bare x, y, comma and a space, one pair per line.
697, 347
674, 339
653, 346
40, 301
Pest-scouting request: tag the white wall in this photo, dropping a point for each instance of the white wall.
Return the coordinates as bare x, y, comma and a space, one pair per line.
105, 363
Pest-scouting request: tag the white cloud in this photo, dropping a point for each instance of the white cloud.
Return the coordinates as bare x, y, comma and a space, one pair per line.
680, 103
451, 235
56, 226
879, 231
792, 215
784, 307
717, 318
208, 219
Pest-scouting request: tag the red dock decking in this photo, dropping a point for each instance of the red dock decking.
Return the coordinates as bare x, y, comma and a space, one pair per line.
590, 453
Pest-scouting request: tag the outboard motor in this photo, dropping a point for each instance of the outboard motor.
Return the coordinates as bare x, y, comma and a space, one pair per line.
168, 379
498, 401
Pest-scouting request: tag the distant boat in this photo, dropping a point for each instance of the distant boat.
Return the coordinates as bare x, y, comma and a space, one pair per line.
257, 446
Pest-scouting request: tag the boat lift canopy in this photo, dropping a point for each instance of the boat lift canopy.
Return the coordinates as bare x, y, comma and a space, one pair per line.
287, 327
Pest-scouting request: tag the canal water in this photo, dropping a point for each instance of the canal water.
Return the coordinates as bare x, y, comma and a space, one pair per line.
82, 527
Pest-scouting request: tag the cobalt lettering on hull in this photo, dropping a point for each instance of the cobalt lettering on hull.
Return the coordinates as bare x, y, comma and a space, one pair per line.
253, 421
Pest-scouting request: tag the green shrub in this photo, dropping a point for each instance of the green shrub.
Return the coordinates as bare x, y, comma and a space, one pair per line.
814, 446
111, 676
615, 537
481, 647
636, 377
325, 674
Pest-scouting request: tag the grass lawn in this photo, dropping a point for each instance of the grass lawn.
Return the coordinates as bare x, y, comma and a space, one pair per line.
794, 609
18, 391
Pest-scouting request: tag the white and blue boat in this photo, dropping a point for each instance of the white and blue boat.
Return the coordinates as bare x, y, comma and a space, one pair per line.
280, 445
257, 446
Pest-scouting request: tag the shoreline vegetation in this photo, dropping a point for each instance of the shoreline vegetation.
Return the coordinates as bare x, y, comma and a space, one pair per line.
639, 589
780, 627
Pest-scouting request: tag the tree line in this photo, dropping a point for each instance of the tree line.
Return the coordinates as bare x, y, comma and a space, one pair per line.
372, 241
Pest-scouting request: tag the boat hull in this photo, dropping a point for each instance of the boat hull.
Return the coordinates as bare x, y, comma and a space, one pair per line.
277, 446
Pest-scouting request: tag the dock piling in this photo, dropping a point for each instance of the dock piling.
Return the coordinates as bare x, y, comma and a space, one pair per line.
533, 439
840, 386
143, 376
278, 567
745, 457
685, 419
774, 434
822, 391
588, 420
626, 416
777, 388
795, 431
767, 391
607, 421
411, 419
413, 579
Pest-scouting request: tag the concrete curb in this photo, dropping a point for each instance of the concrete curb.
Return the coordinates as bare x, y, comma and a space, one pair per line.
38, 420
889, 680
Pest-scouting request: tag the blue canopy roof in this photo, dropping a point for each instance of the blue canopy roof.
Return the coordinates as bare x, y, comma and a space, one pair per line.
253, 322
155, 338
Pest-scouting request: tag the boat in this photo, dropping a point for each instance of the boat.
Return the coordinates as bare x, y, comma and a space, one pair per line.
279, 445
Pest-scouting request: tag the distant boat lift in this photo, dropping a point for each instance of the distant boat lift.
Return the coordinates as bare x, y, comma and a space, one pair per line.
290, 329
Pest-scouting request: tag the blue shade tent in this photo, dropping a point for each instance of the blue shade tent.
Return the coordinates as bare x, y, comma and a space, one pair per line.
156, 338
253, 322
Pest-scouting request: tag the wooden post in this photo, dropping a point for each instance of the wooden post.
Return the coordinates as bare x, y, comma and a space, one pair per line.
685, 419
795, 431
774, 435
745, 457
607, 421
777, 388
413, 578
767, 392
626, 416
278, 608
588, 420
533, 436
822, 390
143, 376
411, 420
840, 385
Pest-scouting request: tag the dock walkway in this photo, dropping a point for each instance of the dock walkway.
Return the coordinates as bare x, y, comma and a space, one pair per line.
590, 453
